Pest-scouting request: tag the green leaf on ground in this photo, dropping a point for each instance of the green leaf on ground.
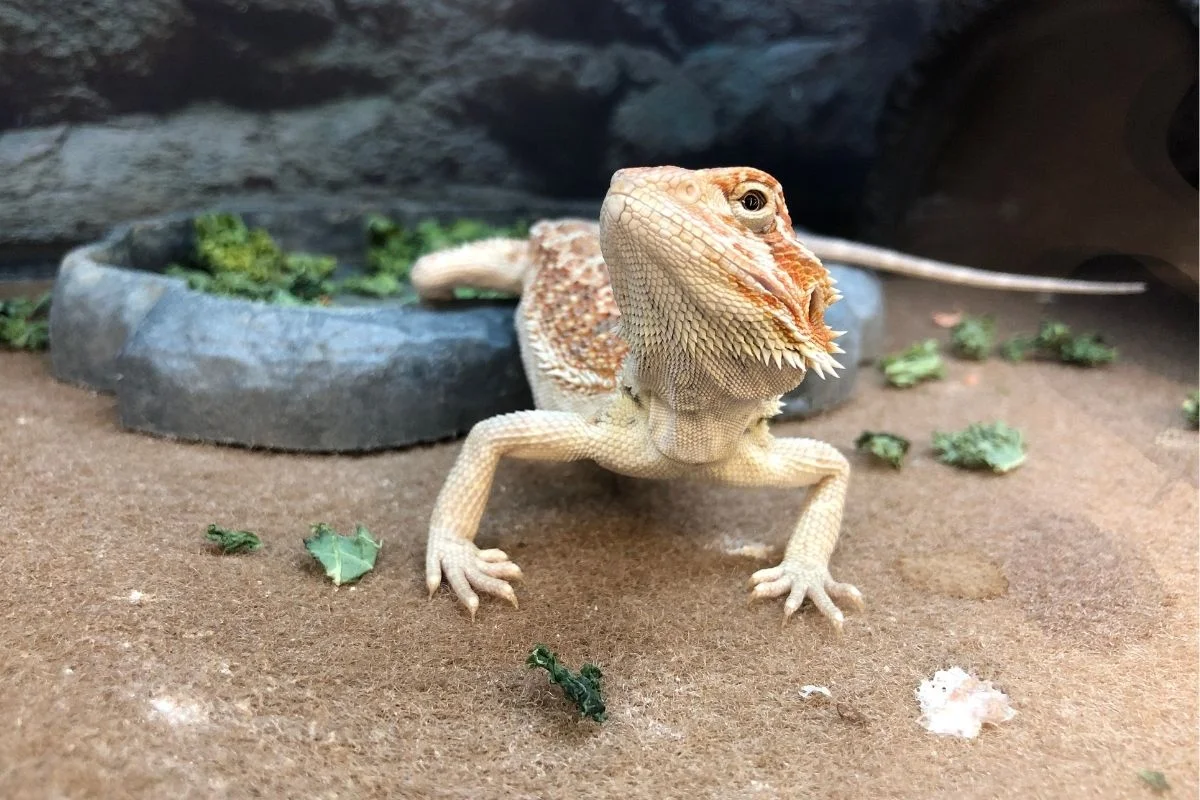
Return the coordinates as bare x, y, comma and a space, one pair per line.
583, 689
885, 446
231, 541
993, 446
921, 362
973, 337
25, 323
1017, 348
1154, 779
1054, 341
345, 558
1086, 350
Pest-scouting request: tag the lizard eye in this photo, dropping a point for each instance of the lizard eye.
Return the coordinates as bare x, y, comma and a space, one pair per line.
754, 200
752, 206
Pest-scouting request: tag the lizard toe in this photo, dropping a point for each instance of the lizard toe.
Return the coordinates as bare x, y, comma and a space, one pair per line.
799, 580
469, 571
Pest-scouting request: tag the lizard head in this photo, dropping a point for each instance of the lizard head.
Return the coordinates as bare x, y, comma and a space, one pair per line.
707, 260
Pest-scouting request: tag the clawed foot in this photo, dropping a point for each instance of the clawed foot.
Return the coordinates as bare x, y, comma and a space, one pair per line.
800, 580
467, 569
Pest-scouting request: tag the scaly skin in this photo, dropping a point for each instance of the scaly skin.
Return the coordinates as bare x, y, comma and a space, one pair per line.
720, 311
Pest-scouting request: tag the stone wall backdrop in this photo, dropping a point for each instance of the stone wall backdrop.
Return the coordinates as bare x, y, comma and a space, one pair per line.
117, 109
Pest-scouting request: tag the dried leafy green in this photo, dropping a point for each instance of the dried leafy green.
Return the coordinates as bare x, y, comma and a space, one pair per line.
1191, 409
1154, 779
582, 689
469, 293
25, 323
1055, 341
922, 361
345, 558
993, 446
885, 446
973, 337
229, 258
231, 541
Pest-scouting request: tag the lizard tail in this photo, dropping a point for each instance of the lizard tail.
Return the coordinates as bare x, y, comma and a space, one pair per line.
500, 265
884, 260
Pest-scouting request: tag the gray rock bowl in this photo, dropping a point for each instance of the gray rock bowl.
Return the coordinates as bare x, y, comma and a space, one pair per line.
357, 376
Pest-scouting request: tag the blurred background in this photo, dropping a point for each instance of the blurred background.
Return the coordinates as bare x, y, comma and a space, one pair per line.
1055, 137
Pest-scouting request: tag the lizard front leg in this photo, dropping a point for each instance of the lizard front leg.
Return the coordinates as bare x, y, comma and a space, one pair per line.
451, 550
615, 439
804, 571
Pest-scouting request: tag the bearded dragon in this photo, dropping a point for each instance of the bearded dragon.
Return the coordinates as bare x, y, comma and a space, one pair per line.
658, 343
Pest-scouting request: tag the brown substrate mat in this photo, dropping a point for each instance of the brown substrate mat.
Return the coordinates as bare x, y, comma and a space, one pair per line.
136, 663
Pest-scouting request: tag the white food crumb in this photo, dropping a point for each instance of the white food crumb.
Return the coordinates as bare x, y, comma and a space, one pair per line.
732, 546
135, 596
955, 703
809, 690
176, 712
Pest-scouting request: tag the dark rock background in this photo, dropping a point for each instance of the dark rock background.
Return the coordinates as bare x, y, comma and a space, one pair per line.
117, 109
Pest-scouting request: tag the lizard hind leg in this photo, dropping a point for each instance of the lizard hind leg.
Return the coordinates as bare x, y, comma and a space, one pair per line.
500, 265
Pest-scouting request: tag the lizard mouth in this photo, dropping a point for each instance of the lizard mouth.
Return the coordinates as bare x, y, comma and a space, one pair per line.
803, 352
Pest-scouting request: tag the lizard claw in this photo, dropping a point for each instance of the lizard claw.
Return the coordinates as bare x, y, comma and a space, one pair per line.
805, 579
468, 569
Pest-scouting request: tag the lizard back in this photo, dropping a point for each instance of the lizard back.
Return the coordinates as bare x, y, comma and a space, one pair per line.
568, 317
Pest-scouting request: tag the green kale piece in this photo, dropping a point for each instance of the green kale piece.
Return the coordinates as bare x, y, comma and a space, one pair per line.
583, 690
345, 558
994, 446
231, 541
973, 337
1155, 779
229, 258
1191, 409
25, 323
885, 446
1086, 350
920, 362
469, 293
1017, 348
1055, 341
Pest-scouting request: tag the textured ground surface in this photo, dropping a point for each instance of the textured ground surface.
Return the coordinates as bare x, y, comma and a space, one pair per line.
252, 676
